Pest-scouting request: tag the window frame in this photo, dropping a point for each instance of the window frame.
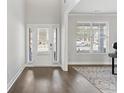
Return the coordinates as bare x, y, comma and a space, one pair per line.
91, 51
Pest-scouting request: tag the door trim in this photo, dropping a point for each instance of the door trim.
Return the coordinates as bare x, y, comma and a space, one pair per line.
34, 26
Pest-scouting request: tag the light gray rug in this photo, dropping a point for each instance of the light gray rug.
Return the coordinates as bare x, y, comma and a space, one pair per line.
100, 76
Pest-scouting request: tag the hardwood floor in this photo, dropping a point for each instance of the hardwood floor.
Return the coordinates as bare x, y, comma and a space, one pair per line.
52, 80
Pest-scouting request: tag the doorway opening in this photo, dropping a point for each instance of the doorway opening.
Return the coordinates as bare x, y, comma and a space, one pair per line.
43, 44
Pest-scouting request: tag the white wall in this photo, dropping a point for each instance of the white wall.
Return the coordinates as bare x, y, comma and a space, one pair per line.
43, 11
90, 58
15, 38
96, 6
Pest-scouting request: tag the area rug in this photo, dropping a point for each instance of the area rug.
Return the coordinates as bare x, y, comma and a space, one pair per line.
100, 76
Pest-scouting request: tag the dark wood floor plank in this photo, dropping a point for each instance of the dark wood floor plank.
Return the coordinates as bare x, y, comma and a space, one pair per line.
51, 80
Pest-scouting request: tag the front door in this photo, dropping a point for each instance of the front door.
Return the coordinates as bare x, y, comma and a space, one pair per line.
43, 44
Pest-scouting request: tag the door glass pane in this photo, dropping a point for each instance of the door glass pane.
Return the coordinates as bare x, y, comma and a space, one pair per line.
83, 40
55, 43
30, 45
42, 39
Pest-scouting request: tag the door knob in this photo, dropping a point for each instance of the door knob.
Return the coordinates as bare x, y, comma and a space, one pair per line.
51, 45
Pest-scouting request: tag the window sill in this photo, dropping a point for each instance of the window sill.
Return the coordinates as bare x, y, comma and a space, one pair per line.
91, 53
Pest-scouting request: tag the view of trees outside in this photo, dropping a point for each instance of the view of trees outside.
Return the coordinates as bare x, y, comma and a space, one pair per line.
55, 43
95, 35
30, 45
91, 38
83, 42
42, 39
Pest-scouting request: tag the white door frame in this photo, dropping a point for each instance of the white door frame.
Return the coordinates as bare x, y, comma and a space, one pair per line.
34, 27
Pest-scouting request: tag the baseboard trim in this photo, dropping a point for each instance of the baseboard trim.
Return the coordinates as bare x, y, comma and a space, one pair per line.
13, 80
54, 65
89, 63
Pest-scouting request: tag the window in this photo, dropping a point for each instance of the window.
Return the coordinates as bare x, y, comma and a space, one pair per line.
30, 44
55, 43
42, 39
92, 37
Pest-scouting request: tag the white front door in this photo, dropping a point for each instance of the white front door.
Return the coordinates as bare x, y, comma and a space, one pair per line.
43, 44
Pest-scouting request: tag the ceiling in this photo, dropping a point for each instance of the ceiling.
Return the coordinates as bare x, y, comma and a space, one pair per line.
95, 6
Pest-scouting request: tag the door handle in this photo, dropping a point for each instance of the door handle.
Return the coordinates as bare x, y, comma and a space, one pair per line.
51, 46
